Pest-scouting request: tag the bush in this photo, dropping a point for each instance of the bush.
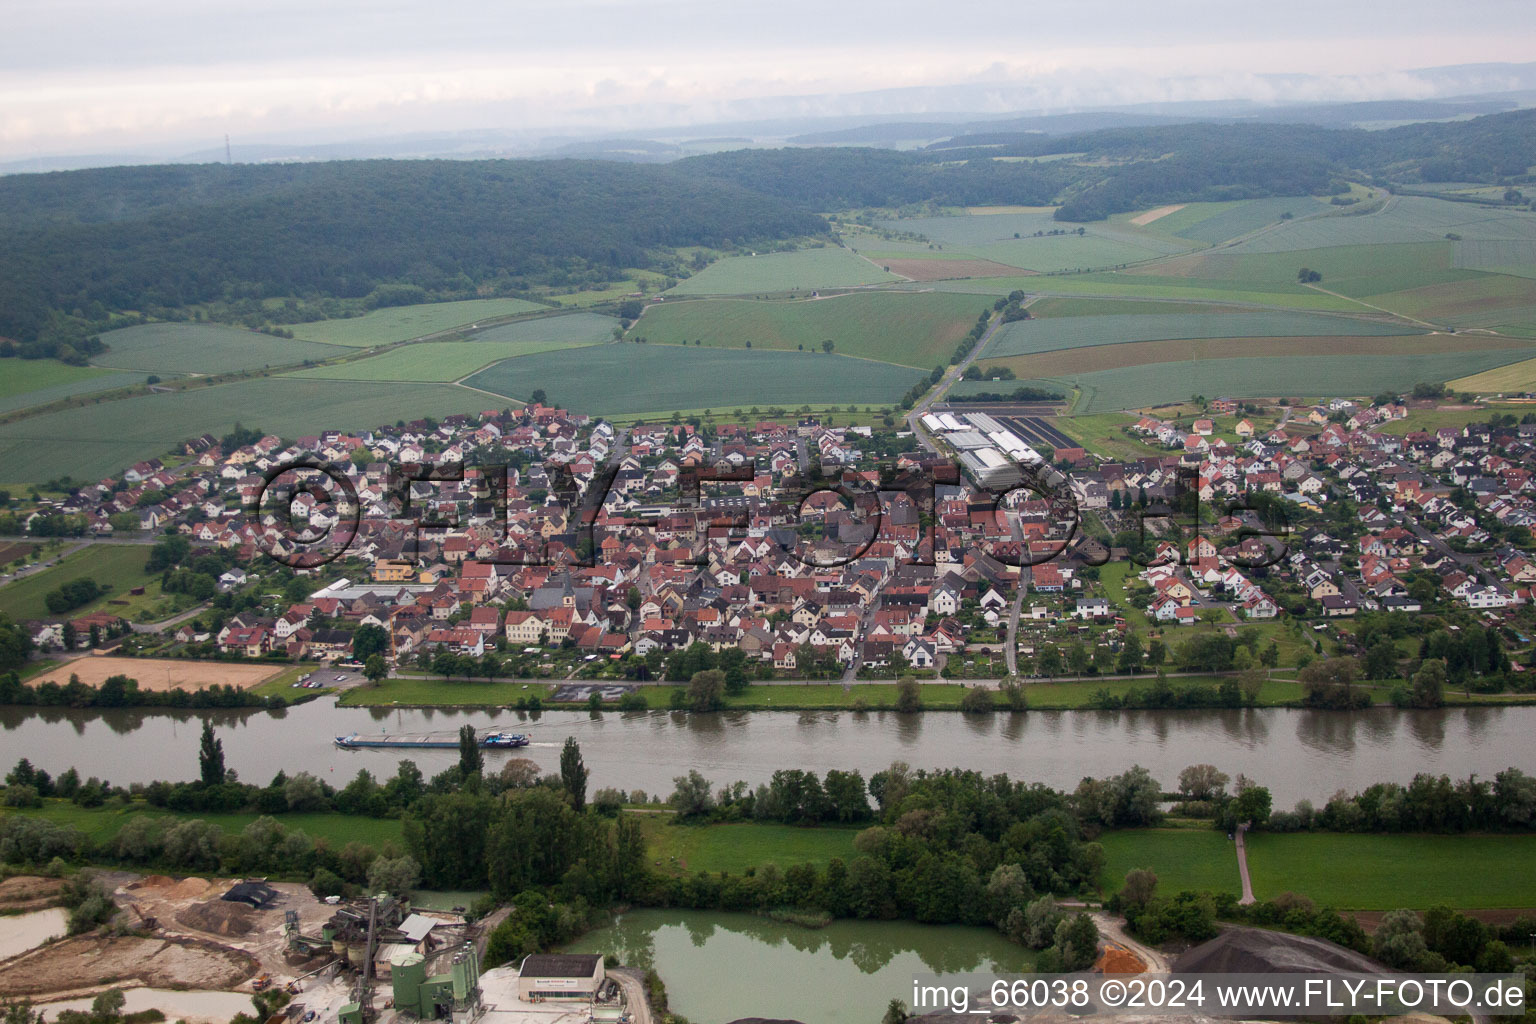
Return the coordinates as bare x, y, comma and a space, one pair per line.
977, 701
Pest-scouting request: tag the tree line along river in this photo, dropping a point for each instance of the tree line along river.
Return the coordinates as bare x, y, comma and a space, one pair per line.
1296, 753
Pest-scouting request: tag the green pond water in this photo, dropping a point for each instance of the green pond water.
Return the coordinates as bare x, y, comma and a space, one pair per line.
718, 967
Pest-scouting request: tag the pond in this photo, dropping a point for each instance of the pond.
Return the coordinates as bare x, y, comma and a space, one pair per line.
720, 966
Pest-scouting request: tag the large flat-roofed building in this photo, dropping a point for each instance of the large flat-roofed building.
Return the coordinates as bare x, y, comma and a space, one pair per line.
559, 976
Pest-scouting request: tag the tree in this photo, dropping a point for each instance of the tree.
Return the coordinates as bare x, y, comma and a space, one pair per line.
1252, 805
1140, 887
573, 773
375, 668
909, 696
895, 1012
538, 397
827, 346
210, 757
1202, 782
369, 640
706, 690
471, 760
394, 875
1429, 684
1399, 940
691, 795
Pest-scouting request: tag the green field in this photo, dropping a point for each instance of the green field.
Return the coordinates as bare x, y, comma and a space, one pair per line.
1052, 307
1196, 859
908, 329
629, 378
1218, 222
117, 565
1354, 270
1010, 239
103, 823
1503, 256
430, 361
1404, 219
1027, 337
97, 440
204, 348
1383, 872
442, 693
571, 328
28, 382
1514, 378
1138, 387
402, 323
1146, 286
686, 849
801, 271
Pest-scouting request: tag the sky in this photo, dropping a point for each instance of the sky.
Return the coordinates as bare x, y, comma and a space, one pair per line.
81, 76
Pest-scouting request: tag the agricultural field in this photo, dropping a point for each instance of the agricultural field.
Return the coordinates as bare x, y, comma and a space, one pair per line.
1134, 285
631, 378
1093, 358
1486, 300
430, 361
1212, 223
571, 328
97, 440
1025, 337
1514, 378
1198, 859
687, 849
1384, 872
909, 329
1402, 219
204, 348
28, 382
1052, 307
116, 565
799, 271
1516, 257
1357, 271
1011, 239
1139, 387
402, 323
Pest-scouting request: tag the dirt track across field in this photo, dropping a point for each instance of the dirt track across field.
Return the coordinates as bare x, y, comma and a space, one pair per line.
163, 673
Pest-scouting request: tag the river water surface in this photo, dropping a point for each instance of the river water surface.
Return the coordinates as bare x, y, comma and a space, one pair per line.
1296, 753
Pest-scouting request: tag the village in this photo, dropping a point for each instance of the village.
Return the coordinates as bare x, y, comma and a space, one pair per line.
561, 546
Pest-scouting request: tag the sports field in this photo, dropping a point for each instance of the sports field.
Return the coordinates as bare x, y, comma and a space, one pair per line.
97, 440
28, 382
402, 323
430, 361
917, 329
1025, 337
157, 674
800, 271
204, 348
632, 378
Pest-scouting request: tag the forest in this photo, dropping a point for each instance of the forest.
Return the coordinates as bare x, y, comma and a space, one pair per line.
78, 247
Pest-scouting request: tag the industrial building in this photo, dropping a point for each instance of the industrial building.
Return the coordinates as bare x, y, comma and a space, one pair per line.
560, 976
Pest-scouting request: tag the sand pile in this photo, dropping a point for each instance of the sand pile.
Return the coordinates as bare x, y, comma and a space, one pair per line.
1115, 960
216, 917
154, 882
1256, 951
188, 889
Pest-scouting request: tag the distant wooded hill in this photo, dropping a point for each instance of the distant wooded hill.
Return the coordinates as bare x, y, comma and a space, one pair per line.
78, 246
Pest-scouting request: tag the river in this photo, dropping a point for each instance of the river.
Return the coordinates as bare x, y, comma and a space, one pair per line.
719, 966
1296, 753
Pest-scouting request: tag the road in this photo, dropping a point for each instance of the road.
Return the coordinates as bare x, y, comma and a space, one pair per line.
1242, 866
937, 393
630, 980
1110, 928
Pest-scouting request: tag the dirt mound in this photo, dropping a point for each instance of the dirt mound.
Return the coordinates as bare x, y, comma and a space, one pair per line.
188, 888
98, 960
1256, 951
154, 882
1115, 960
217, 917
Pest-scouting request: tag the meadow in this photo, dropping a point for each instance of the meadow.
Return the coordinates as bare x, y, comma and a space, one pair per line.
801, 271
119, 566
1202, 860
1127, 285
28, 382
1041, 334
93, 441
687, 849
1139, 387
430, 361
1384, 872
909, 329
204, 348
402, 323
633, 378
